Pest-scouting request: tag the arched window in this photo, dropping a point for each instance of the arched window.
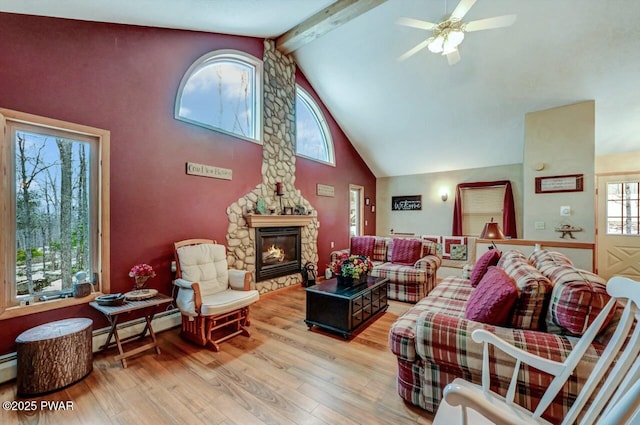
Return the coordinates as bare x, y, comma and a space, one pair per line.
223, 91
313, 138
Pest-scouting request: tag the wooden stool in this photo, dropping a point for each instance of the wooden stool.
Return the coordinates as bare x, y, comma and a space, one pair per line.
53, 356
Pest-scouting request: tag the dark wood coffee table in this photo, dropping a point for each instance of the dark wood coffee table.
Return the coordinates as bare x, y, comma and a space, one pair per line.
345, 309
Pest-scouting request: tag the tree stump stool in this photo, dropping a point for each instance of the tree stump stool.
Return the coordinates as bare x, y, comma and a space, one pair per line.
53, 356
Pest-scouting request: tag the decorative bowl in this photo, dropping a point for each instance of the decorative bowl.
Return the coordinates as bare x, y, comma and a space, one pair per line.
110, 299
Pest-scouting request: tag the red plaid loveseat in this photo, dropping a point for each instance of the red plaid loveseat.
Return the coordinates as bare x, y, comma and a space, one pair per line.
407, 282
433, 345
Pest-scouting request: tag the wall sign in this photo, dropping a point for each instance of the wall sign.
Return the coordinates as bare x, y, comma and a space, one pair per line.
406, 203
325, 190
202, 170
555, 184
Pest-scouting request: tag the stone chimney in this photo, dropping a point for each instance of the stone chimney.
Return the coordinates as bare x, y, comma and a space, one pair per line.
278, 166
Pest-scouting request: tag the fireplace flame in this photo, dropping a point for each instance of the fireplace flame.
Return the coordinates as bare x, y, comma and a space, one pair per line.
273, 254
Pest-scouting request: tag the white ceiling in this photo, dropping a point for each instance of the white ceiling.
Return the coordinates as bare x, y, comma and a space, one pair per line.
422, 115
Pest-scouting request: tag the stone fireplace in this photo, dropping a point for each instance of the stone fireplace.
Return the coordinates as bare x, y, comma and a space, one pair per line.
278, 166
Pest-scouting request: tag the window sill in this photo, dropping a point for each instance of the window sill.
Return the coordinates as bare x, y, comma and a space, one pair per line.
39, 307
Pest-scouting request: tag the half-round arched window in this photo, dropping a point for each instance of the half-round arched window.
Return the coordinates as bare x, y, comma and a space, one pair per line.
222, 91
313, 138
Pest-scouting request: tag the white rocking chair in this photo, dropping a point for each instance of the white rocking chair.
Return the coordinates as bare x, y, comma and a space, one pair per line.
606, 399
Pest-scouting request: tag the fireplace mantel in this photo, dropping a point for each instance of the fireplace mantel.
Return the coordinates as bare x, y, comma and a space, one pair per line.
258, 220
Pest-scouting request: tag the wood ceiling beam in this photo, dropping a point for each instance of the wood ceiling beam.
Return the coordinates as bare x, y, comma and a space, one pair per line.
328, 19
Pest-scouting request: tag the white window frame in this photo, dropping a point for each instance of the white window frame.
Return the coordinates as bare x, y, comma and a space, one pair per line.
227, 55
322, 124
8, 299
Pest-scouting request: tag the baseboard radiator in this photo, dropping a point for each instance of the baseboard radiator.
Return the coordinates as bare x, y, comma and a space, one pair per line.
161, 322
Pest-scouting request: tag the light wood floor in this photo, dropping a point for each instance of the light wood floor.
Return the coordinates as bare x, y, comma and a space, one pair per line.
282, 374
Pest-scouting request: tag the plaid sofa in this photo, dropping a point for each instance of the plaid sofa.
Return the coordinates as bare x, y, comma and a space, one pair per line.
433, 345
409, 283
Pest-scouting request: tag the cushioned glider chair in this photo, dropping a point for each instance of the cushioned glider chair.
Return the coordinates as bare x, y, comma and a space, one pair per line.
611, 394
211, 297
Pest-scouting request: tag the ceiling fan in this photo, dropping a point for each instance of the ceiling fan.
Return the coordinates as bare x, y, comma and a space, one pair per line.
449, 33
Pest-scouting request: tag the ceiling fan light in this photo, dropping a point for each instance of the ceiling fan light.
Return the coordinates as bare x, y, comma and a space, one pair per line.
437, 45
448, 49
454, 38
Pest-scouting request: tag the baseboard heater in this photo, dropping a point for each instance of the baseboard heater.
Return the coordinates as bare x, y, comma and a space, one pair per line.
161, 322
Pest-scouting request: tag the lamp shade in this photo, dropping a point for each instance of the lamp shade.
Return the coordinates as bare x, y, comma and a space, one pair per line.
491, 231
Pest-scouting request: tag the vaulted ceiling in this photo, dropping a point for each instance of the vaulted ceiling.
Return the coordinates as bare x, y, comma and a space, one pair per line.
422, 115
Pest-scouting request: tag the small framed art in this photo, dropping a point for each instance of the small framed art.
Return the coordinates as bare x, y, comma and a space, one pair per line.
556, 184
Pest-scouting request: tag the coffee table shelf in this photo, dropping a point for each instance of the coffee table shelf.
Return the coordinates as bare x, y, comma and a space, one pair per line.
345, 309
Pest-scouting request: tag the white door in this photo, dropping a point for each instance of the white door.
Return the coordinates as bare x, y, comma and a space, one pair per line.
618, 233
356, 211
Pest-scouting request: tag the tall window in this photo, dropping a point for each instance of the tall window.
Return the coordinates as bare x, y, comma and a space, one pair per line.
623, 208
222, 90
52, 202
313, 138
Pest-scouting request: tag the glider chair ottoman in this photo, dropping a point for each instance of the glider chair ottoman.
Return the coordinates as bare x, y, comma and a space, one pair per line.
213, 300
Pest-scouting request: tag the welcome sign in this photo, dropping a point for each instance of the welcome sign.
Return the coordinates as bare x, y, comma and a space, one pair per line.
203, 170
406, 203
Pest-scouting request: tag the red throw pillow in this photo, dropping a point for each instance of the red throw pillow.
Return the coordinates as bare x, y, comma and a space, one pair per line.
362, 245
406, 251
493, 300
489, 258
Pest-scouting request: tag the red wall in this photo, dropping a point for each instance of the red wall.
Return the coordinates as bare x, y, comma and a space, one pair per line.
124, 79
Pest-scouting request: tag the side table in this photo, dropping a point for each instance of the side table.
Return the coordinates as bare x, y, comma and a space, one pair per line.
149, 308
53, 356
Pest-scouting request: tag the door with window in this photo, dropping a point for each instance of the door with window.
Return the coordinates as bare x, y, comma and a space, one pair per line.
618, 233
356, 210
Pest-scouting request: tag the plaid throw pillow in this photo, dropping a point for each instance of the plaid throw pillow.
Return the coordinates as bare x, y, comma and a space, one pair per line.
577, 298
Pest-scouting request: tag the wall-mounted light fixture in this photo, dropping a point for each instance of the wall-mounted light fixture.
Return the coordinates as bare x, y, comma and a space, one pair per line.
444, 195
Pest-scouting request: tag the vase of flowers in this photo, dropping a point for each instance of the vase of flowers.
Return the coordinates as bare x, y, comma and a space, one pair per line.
141, 273
351, 269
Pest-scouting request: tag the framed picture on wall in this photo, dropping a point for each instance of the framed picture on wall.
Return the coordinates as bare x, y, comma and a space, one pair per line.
556, 184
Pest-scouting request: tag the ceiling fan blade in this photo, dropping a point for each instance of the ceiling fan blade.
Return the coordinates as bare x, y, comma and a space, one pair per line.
415, 23
461, 9
490, 23
453, 57
416, 49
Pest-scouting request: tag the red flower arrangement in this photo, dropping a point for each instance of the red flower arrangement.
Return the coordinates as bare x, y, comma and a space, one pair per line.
352, 266
142, 270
